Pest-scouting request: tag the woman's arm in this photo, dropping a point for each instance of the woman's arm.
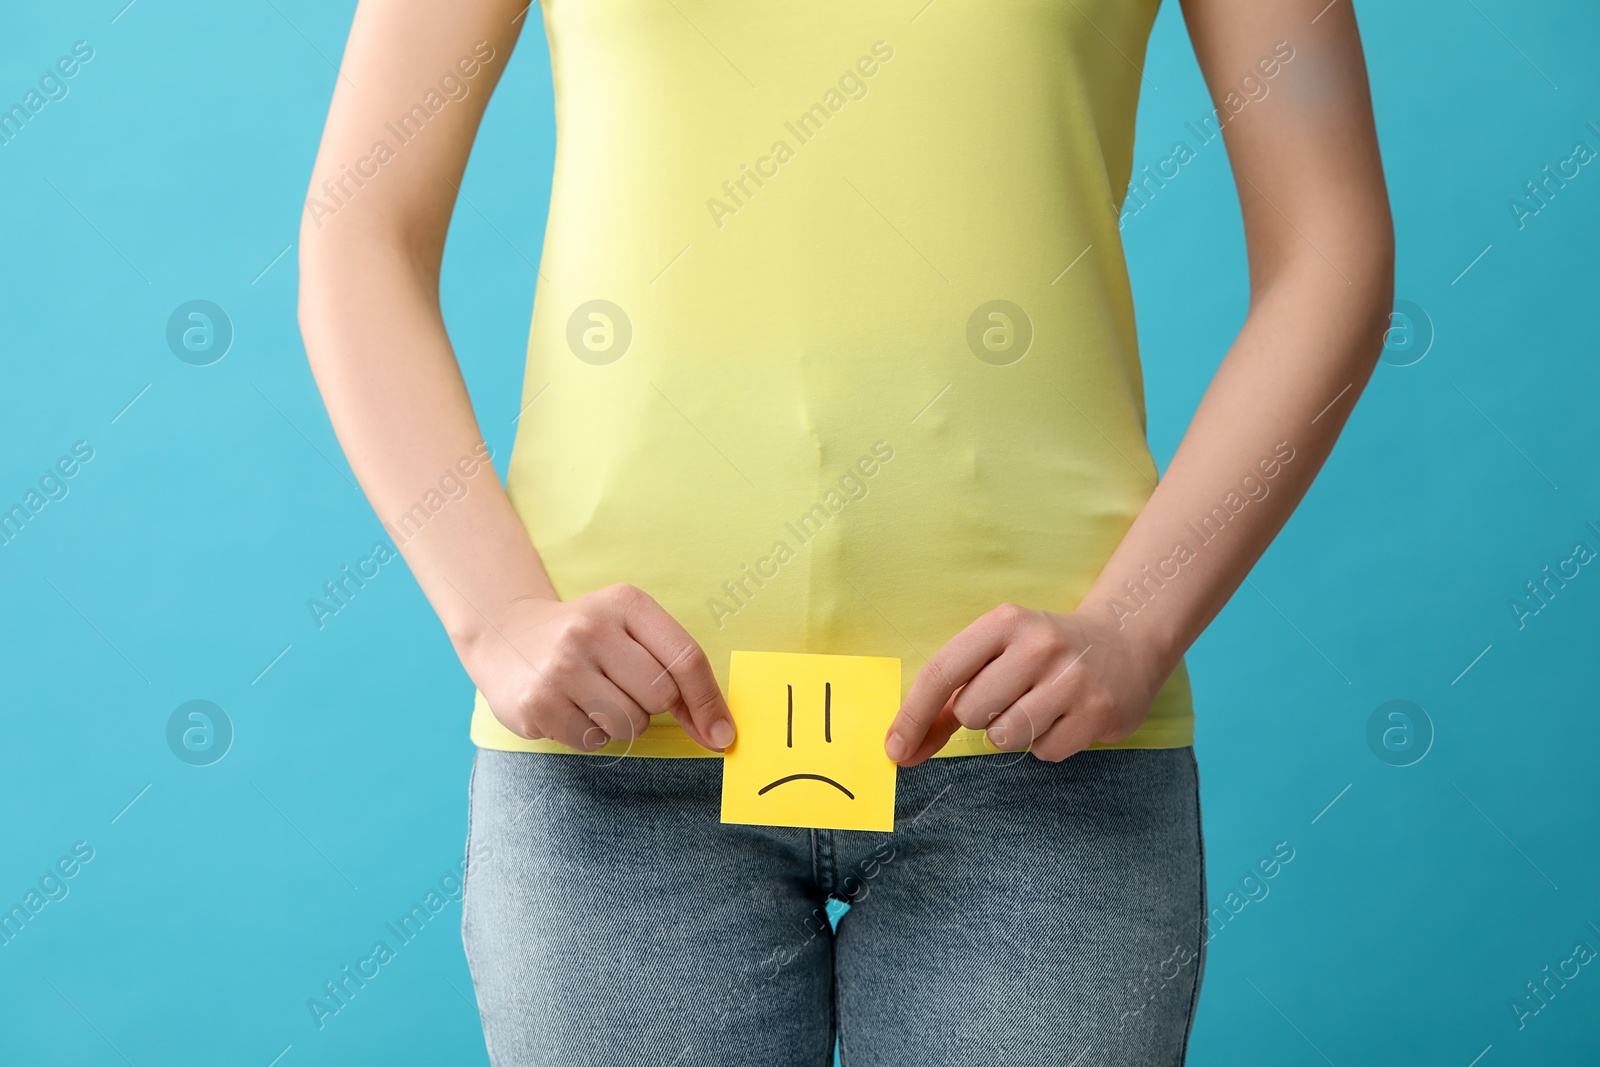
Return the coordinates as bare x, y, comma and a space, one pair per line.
415, 80
1321, 251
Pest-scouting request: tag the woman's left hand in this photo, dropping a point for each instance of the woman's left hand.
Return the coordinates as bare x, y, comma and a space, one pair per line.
1036, 680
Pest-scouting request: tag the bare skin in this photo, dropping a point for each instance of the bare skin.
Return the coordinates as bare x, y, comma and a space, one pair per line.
599, 666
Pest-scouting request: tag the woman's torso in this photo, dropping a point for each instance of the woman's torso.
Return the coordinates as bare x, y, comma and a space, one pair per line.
833, 347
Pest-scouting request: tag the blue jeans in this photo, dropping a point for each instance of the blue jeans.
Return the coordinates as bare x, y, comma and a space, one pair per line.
1022, 912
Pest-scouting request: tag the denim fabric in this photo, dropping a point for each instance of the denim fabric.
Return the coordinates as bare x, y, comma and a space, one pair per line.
1022, 912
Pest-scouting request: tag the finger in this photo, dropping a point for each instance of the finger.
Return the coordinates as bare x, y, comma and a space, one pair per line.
563, 721
637, 673
950, 668
1069, 735
944, 725
611, 709
709, 721
998, 685
1025, 722
631, 667
696, 734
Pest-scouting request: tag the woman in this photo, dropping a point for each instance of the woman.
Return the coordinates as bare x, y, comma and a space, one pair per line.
833, 351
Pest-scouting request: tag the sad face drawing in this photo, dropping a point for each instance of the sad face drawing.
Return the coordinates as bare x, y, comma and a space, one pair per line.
827, 737
810, 745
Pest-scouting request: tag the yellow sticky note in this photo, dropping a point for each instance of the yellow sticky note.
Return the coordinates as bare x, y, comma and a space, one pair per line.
809, 750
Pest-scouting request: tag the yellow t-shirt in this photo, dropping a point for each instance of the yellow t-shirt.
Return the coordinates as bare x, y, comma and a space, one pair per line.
833, 347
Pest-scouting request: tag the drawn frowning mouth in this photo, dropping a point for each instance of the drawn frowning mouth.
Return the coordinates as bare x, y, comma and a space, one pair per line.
813, 777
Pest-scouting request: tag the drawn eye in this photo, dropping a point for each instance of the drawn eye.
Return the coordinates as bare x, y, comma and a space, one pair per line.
827, 714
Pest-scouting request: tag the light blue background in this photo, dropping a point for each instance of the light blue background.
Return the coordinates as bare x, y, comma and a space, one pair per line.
179, 565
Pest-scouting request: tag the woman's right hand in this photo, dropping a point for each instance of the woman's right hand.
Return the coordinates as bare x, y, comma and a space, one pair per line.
585, 671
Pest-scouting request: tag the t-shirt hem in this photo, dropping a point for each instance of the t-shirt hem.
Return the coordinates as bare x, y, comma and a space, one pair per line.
669, 741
